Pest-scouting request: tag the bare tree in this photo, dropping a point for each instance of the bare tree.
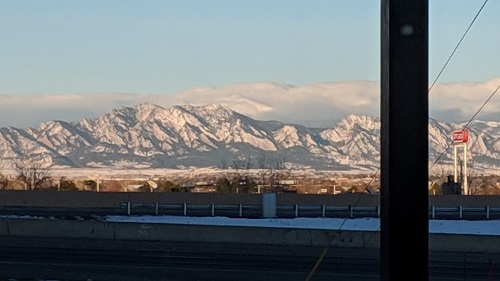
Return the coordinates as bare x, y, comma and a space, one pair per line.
248, 163
32, 172
283, 160
278, 163
4, 182
262, 161
440, 173
473, 177
236, 164
223, 163
239, 163
224, 185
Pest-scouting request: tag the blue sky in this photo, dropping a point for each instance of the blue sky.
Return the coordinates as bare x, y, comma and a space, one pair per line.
164, 47
168, 46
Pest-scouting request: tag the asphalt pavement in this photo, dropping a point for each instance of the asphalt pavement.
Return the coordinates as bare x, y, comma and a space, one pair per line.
86, 259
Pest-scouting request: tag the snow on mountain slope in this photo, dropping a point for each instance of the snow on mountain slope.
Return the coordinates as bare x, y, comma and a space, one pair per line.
149, 135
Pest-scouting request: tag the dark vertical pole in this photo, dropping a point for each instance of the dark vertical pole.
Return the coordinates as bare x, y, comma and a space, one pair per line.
404, 142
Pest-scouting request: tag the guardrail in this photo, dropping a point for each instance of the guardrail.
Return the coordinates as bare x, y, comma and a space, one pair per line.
295, 211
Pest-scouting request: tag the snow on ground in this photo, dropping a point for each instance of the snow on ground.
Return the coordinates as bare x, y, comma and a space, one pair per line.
491, 227
486, 227
367, 224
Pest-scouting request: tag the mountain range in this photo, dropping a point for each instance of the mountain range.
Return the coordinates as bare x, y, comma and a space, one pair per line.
151, 136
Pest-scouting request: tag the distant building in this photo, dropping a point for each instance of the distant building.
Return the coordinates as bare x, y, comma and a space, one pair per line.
451, 187
342, 180
203, 187
288, 182
153, 184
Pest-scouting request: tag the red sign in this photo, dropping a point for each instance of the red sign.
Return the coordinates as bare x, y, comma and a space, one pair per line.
460, 136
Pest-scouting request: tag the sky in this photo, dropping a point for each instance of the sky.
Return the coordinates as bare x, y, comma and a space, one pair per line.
68, 60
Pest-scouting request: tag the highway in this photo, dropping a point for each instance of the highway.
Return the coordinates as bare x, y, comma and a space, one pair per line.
35, 258
87, 259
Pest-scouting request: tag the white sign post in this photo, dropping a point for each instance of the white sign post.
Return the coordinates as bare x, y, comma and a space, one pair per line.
460, 139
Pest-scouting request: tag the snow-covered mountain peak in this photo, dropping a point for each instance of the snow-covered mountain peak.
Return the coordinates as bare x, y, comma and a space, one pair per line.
215, 109
212, 113
148, 107
147, 111
50, 125
366, 122
149, 135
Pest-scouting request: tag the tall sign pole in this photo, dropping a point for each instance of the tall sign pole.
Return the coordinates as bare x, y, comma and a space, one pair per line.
404, 140
460, 139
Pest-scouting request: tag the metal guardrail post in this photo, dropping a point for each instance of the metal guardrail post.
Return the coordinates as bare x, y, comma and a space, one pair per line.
336, 211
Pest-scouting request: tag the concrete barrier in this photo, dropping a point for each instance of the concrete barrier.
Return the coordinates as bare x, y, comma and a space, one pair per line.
80, 199
268, 205
465, 243
230, 234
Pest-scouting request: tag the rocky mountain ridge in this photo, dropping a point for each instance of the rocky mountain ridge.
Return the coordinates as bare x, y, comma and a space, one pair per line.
151, 136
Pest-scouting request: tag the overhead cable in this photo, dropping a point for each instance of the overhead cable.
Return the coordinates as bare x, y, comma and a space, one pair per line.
467, 124
456, 47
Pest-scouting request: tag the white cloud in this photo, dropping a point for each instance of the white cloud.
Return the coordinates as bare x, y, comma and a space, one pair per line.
318, 105
460, 101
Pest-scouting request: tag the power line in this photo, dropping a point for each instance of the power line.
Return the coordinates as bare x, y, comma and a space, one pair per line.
467, 124
482, 106
441, 72
441, 155
432, 85
456, 47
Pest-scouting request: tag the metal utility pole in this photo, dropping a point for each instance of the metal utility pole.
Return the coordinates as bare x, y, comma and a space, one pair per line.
404, 140
460, 139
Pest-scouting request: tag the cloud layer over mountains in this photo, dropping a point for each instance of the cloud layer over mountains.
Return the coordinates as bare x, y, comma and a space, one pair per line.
314, 105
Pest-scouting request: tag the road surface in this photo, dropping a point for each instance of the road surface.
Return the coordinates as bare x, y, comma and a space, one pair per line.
85, 259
